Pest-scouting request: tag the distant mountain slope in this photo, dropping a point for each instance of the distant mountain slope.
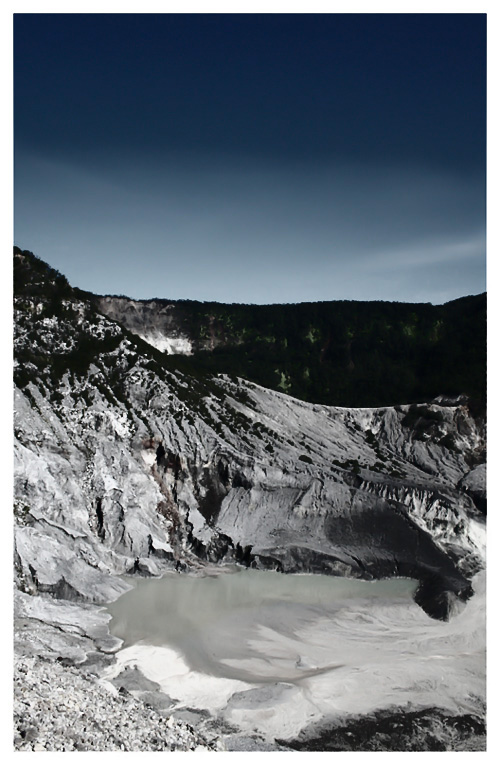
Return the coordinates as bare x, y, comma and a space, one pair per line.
131, 461
344, 353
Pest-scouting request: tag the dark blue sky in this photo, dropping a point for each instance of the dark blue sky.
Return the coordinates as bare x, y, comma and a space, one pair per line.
254, 158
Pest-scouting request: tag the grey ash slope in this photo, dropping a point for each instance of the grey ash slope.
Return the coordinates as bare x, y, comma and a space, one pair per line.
123, 464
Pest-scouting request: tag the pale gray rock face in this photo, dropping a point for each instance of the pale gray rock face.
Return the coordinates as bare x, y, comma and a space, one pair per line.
128, 467
61, 629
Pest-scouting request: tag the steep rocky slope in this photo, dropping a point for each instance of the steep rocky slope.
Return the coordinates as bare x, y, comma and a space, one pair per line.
124, 464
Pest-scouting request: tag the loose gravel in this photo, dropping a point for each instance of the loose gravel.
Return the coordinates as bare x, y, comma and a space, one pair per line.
62, 708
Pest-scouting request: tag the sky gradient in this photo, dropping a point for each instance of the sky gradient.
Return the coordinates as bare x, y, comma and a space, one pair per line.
254, 158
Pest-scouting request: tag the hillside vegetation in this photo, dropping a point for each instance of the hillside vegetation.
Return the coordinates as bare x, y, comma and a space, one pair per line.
344, 353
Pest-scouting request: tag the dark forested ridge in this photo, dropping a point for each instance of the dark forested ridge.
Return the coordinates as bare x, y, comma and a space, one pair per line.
350, 353
345, 353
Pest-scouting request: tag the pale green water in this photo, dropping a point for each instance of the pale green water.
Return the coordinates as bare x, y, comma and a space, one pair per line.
212, 619
306, 646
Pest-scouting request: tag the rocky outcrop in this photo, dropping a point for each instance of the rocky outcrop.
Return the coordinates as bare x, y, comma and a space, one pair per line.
398, 730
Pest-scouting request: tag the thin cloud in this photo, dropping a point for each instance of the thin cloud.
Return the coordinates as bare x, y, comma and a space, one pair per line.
425, 253
303, 232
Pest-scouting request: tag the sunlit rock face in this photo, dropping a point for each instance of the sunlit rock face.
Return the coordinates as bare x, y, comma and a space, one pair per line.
156, 323
125, 465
